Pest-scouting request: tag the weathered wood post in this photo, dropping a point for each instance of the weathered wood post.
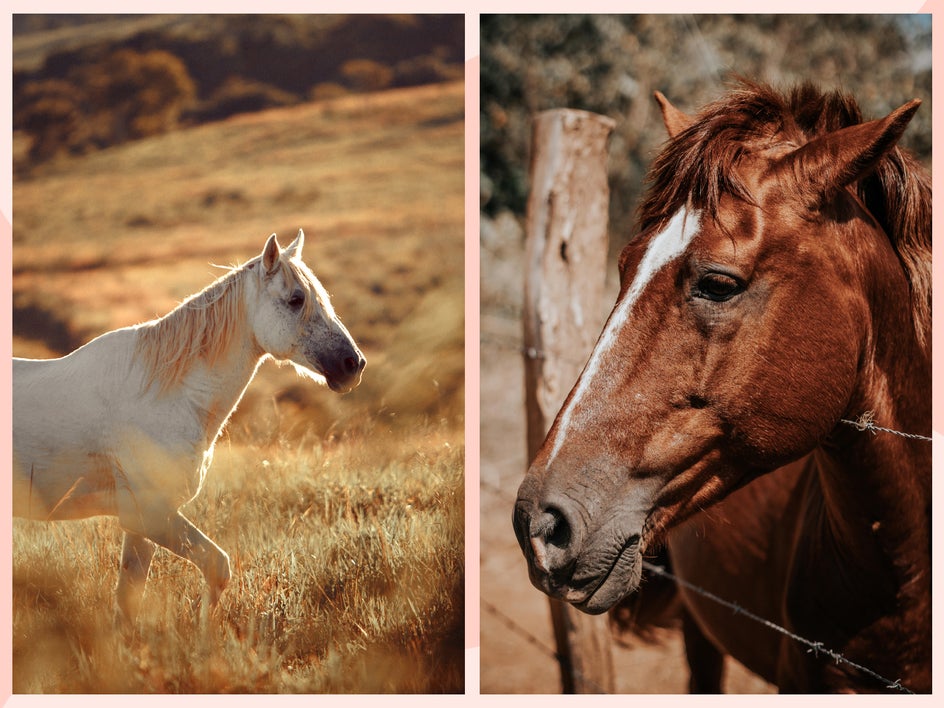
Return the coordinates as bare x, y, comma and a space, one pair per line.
565, 265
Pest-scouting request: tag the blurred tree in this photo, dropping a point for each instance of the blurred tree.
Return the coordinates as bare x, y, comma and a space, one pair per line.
49, 113
240, 95
123, 95
327, 90
137, 93
611, 64
366, 74
206, 67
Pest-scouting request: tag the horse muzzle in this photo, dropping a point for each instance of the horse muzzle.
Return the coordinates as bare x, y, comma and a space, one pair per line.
344, 373
590, 570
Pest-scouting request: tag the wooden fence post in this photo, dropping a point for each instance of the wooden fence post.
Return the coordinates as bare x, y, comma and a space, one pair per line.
566, 252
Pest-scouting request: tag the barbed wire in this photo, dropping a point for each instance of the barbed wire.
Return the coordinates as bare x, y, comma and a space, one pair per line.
866, 421
816, 648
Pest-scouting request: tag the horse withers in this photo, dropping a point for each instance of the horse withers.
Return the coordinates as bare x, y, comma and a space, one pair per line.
778, 286
126, 424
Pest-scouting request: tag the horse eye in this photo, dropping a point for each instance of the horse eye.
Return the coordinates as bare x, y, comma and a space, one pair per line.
297, 300
717, 287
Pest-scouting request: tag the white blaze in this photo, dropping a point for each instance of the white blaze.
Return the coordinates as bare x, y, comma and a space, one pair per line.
668, 244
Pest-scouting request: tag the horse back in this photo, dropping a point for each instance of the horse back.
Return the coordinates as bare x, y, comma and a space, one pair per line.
80, 389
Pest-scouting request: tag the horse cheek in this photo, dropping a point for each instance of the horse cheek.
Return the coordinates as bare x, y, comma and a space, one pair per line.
786, 409
273, 333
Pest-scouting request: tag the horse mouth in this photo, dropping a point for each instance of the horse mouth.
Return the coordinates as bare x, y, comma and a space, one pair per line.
595, 595
344, 384
344, 375
620, 579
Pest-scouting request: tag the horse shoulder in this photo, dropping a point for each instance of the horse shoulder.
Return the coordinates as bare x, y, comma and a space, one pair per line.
68, 394
92, 404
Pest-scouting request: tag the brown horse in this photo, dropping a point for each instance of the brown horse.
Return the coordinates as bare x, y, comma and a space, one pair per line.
780, 283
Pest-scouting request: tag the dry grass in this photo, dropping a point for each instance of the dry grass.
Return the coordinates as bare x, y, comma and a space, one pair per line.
347, 578
343, 516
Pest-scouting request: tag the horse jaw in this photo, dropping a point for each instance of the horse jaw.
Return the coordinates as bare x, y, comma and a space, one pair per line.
304, 371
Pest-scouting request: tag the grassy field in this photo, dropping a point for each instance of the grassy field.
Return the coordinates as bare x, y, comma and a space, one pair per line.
343, 516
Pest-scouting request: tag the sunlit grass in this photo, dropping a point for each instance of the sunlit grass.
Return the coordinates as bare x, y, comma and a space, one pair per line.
347, 577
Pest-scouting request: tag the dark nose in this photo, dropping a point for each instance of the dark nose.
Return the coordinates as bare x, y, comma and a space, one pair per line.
354, 364
547, 539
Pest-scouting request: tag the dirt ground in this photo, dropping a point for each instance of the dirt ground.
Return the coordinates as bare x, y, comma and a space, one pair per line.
516, 638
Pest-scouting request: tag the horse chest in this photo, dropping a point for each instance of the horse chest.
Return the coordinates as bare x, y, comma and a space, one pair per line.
739, 550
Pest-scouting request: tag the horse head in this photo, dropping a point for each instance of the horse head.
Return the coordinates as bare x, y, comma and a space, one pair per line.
293, 319
745, 319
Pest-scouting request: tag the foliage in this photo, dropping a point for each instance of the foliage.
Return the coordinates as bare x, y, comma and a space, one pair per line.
366, 75
240, 95
612, 64
131, 76
122, 96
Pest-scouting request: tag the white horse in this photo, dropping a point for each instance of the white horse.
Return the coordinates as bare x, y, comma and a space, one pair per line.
125, 425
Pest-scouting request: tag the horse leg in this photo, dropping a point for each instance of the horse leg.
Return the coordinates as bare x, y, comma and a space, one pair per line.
178, 535
136, 554
705, 661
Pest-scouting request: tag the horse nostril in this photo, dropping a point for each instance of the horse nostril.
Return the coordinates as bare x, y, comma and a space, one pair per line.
552, 528
549, 535
546, 537
353, 364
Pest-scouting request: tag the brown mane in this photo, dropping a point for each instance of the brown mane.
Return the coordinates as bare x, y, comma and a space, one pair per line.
697, 167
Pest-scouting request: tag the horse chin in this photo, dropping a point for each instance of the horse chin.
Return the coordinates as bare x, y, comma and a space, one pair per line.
342, 386
595, 594
344, 383
622, 578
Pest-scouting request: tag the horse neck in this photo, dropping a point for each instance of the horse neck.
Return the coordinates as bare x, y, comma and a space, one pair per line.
894, 382
216, 390
204, 351
876, 487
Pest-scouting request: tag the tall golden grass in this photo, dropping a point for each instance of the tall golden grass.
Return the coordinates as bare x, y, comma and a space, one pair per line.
343, 516
348, 577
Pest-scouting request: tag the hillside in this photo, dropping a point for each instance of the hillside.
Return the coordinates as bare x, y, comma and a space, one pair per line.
83, 82
122, 235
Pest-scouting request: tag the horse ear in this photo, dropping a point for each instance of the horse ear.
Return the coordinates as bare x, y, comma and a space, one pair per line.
675, 121
270, 255
294, 249
826, 165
